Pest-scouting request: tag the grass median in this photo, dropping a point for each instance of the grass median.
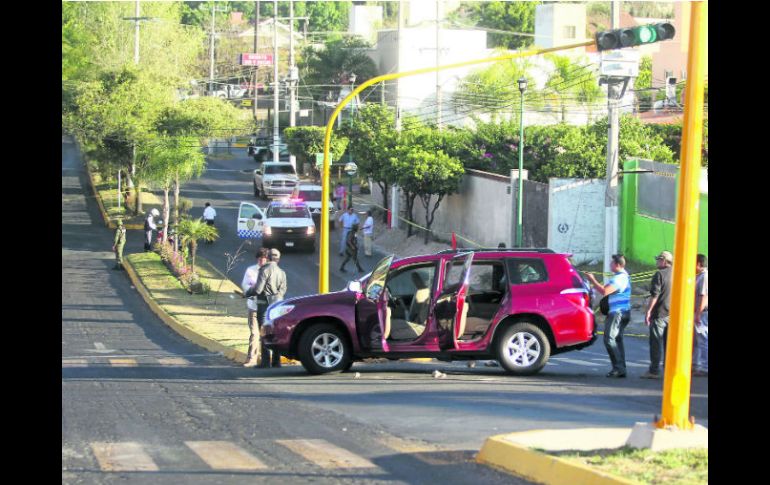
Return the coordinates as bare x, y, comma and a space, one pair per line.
107, 191
219, 315
671, 467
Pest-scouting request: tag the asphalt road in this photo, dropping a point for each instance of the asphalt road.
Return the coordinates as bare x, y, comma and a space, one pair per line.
141, 404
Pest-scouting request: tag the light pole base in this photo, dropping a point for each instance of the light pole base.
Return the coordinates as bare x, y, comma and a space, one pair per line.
649, 436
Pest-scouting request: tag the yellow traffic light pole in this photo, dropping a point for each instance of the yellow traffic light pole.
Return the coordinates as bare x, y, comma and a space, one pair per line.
676, 386
323, 270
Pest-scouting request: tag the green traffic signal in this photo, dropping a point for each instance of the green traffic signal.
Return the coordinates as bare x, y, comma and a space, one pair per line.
633, 36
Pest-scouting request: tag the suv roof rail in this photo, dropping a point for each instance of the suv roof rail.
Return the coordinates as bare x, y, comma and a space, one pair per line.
511, 250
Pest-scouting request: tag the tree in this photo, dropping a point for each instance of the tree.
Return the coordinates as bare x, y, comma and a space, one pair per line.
571, 83
515, 17
373, 142
306, 141
193, 230
643, 84
494, 89
334, 62
428, 174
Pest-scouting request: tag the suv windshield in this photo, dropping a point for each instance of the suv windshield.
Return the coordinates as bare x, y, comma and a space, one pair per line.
279, 169
287, 211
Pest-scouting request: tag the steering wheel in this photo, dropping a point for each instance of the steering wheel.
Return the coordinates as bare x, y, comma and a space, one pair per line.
397, 301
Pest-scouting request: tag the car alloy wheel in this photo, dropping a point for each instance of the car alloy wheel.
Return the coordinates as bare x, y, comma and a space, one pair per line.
327, 350
324, 348
523, 349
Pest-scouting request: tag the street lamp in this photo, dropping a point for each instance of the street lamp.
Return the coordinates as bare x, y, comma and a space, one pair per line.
350, 168
519, 211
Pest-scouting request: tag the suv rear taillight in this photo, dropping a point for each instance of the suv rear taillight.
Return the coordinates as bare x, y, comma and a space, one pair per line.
578, 296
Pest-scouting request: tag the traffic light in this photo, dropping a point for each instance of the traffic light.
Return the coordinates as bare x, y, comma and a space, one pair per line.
633, 36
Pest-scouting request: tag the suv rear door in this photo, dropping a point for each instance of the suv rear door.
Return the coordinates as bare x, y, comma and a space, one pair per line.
250, 221
450, 309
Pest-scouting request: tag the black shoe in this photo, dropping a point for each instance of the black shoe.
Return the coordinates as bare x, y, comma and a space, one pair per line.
341, 254
616, 373
343, 270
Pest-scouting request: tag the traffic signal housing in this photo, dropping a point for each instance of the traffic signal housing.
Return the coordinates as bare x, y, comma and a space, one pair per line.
634, 36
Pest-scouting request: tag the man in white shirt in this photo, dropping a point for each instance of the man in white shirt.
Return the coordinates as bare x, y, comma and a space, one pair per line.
209, 214
368, 233
149, 226
249, 280
347, 220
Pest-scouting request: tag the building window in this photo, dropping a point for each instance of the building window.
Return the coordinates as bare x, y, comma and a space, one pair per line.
569, 31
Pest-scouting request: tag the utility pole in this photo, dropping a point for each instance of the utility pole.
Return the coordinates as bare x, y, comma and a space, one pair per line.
398, 61
438, 73
214, 10
292, 79
611, 191
256, 51
276, 107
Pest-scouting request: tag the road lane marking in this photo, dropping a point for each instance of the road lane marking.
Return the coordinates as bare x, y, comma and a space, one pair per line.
426, 453
120, 457
123, 362
99, 346
74, 363
223, 455
325, 454
173, 361
576, 362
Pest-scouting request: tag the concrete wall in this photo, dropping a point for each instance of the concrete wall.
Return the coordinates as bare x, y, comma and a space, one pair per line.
576, 217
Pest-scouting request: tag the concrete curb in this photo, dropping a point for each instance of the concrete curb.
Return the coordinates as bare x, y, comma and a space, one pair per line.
516, 459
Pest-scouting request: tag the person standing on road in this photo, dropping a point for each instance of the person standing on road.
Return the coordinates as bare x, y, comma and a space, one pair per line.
271, 284
252, 305
339, 195
658, 312
208, 217
209, 214
368, 233
701, 358
351, 251
149, 226
347, 220
118, 244
618, 289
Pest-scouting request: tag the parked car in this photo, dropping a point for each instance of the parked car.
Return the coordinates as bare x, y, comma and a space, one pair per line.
275, 179
312, 195
518, 307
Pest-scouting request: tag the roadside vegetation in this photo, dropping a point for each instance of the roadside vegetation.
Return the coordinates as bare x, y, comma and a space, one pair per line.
669, 467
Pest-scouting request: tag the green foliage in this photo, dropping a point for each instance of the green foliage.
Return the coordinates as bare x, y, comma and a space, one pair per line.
204, 118
373, 141
305, 141
635, 140
193, 230
494, 88
643, 83
332, 63
571, 83
671, 135
518, 17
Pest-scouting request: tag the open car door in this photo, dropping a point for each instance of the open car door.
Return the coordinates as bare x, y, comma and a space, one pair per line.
451, 309
250, 221
376, 293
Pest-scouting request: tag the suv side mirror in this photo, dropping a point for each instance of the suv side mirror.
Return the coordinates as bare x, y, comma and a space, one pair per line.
355, 285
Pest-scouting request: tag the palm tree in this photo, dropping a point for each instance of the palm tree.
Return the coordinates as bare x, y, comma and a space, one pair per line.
193, 230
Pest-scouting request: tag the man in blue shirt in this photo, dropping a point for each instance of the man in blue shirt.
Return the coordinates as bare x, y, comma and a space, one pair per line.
619, 290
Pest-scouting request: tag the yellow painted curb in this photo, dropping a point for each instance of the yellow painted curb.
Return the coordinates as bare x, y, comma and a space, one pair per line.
98, 199
183, 330
530, 464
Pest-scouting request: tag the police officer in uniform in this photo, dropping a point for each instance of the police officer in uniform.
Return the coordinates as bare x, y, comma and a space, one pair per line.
118, 244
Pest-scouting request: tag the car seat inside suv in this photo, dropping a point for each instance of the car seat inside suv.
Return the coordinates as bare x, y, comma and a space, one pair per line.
488, 287
409, 308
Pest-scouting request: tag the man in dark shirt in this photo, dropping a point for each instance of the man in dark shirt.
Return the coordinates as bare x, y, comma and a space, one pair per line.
658, 312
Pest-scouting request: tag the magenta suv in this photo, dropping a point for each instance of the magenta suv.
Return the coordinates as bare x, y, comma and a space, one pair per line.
518, 307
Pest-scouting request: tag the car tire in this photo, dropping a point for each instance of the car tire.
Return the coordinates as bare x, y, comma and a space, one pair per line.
332, 340
348, 366
262, 194
523, 336
256, 191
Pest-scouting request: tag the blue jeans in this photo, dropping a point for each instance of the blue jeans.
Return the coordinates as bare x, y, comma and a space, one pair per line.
701, 347
614, 325
345, 232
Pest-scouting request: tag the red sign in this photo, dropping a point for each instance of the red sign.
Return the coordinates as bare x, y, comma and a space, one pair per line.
248, 59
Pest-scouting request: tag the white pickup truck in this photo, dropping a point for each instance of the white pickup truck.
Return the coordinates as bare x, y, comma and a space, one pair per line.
275, 179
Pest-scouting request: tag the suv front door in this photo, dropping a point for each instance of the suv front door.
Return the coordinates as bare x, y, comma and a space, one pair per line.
450, 309
250, 221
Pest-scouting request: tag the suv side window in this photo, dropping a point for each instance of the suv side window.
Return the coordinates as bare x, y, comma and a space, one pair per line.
526, 270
